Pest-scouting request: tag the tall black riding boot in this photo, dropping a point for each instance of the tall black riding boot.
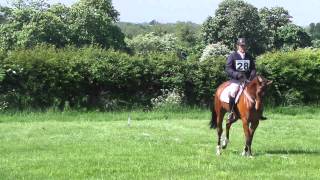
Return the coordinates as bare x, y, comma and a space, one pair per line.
231, 116
263, 118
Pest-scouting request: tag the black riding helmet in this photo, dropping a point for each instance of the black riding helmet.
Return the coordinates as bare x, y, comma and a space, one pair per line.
241, 42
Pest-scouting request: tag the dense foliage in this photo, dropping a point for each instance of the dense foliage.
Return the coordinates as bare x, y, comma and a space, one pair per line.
182, 38
272, 20
234, 19
215, 50
314, 30
134, 29
28, 23
292, 37
147, 43
59, 56
92, 77
265, 30
295, 76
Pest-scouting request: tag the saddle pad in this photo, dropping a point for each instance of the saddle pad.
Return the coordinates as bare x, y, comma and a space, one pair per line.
224, 97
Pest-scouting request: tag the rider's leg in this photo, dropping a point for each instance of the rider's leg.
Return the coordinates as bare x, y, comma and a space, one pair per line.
232, 98
231, 116
263, 118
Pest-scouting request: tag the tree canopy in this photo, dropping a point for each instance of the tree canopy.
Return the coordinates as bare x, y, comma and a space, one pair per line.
292, 36
234, 19
314, 30
29, 22
264, 29
272, 19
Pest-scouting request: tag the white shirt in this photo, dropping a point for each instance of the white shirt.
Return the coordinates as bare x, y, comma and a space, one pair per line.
241, 54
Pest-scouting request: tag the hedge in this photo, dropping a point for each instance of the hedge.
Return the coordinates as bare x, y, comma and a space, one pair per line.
91, 77
295, 75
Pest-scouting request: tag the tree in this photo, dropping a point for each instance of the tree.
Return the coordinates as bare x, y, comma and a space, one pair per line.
272, 19
92, 22
314, 30
293, 37
4, 11
317, 28
31, 22
234, 19
186, 33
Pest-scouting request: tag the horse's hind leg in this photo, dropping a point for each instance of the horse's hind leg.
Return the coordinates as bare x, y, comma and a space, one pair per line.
219, 132
225, 141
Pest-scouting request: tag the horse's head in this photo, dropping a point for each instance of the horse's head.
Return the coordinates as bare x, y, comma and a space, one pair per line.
257, 88
262, 84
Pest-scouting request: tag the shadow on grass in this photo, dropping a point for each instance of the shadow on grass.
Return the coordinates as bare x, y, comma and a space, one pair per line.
281, 152
289, 152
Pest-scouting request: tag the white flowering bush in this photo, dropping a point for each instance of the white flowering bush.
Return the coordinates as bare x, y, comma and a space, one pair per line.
214, 50
3, 105
168, 98
152, 43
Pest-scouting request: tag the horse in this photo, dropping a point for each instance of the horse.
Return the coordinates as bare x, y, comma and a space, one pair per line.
249, 109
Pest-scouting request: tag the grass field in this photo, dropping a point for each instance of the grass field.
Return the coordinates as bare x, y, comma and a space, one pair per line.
157, 145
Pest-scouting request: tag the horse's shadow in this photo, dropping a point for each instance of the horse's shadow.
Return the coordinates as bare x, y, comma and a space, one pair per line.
289, 152
283, 152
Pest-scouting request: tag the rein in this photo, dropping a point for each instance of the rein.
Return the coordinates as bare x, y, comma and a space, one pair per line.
246, 94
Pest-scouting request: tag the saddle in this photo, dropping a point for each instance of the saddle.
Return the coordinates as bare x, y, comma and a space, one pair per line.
225, 95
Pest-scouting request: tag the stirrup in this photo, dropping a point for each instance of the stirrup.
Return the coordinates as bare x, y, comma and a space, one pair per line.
231, 117
262, 118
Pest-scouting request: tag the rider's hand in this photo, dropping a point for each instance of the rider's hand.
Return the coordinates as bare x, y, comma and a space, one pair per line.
241, 76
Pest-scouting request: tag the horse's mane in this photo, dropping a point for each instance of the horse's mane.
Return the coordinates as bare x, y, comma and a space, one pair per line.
255, 82
251, 97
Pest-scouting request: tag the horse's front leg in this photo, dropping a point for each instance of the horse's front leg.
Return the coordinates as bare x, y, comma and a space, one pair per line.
253, 127
247, 147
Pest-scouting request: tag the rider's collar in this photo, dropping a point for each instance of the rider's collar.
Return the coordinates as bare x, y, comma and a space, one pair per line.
241, 54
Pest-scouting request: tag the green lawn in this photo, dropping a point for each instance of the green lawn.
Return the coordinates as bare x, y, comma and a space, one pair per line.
158, 145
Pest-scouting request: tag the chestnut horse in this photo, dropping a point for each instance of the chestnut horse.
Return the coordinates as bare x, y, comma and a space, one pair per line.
249, 109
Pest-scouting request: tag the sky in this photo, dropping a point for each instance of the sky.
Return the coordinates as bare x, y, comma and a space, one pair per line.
137, 11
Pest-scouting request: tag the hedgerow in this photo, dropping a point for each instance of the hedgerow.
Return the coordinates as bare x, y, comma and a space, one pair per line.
92, 77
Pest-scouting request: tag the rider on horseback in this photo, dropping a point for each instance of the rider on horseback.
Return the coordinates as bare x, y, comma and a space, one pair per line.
240, 67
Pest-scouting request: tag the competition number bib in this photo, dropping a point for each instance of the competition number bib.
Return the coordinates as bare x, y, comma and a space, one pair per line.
243, 65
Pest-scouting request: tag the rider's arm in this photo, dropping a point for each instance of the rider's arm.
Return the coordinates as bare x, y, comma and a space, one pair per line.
253, 69
230, 68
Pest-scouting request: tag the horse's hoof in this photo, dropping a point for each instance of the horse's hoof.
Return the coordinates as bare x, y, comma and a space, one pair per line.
246, 154
225, 143
243, 153
218, 150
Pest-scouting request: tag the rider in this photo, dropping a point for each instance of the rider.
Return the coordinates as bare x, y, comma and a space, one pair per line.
240, 67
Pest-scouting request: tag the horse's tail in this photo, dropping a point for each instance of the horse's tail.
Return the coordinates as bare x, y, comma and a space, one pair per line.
213, 122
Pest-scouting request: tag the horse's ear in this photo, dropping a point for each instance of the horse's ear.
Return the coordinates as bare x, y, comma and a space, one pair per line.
269, 82
260, 79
